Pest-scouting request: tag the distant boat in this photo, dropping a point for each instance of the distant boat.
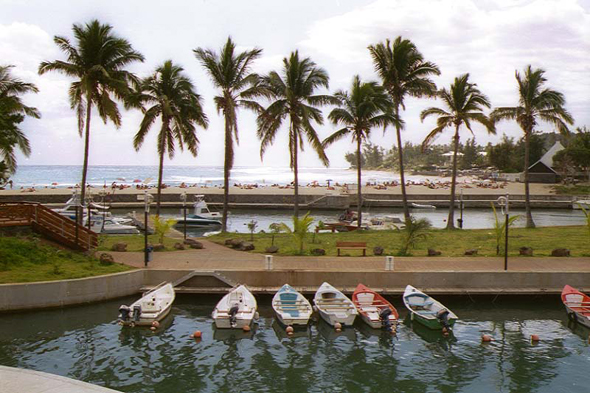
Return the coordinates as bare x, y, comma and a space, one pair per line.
421, 206
202, 217
153, 306
577, 305
291, 307
374, 309
236, 309
333, 306
582, 203
427, 311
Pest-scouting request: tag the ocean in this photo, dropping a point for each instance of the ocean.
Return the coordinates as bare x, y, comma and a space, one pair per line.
70, 175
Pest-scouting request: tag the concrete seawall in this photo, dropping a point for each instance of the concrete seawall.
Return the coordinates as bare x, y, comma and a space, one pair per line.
14, 297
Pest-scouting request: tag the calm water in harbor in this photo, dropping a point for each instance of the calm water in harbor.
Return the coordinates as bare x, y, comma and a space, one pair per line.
86, 343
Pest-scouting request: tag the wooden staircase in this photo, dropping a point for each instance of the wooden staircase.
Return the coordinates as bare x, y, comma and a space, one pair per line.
48, 223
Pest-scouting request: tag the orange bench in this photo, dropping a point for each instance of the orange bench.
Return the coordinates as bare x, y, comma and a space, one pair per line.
352, 246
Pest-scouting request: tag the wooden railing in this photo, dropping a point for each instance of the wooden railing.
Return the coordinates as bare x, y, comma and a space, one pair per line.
48, 223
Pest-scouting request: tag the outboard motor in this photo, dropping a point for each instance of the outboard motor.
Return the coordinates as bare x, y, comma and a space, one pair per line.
124, 313
136, 312
384, 317
232, 314
443, 318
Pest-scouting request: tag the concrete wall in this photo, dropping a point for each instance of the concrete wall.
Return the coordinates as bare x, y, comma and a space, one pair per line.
69, 292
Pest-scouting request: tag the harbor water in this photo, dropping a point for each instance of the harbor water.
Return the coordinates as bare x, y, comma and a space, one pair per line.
87, 344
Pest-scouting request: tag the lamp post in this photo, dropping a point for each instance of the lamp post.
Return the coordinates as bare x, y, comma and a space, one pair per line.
76, 206
505, 202
183, 199
89, 216
461, 207
146, 208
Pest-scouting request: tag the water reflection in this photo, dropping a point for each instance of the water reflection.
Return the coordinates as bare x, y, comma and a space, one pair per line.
86, 343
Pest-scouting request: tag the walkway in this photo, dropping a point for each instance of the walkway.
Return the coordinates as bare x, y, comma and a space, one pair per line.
217, 257
29, 381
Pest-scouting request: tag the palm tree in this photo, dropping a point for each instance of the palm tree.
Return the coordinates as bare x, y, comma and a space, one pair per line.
98, 63
230, 72
292, 95
465, 103
170, 96
365, 107
535, 102
12, 113
403, 72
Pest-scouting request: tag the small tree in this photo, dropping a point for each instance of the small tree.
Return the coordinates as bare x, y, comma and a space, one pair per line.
274, 228
500, 228
300, 229
162, 227
252, 227
416, 230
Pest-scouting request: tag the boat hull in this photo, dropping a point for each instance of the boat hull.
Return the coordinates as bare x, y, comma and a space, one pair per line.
431, 323
242, 299
222, 322
303, 321
148, 321
332, 318
376, 323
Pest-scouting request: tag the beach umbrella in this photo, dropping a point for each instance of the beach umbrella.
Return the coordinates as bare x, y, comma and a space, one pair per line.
137, 181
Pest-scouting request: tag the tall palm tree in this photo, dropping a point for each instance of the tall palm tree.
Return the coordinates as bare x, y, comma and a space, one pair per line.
230, 72
170, 96
366, 106
404, 73
98, 62
465, 103
535, 102
12, 113
292, 96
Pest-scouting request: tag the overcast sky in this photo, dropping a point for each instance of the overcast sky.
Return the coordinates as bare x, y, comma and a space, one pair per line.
489, 39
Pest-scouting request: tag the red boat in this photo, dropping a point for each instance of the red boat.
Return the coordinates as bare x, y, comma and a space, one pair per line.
374, 309
577, 305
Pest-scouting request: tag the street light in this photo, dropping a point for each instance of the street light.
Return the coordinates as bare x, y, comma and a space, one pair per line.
183, 199
505, 202
461, 207
146, 208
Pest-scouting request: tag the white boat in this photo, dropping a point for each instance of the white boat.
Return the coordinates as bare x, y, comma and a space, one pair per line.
428, 311
292, 308
236, 309
202, 217
384, 222
153, 306
421, 206
108, 226
334, 306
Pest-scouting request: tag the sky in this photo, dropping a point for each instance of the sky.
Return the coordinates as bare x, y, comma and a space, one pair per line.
489, 39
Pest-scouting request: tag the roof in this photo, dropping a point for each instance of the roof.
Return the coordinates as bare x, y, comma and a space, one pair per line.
547, 158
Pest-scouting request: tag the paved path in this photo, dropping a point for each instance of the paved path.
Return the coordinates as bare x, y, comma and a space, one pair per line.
29, 381
217, 257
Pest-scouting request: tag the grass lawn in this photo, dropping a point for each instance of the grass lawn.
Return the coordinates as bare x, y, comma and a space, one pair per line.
28, 260
579, 189
134, 242
451, 243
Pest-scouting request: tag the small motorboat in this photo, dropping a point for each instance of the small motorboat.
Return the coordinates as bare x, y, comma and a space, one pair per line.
334, 306
426, 310
202, 217
153, 306
236, 309
421, 206
109, 226
292, 308
374, 309
577, 305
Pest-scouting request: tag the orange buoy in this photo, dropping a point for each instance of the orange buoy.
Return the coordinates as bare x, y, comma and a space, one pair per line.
338, 326
535, 338
486, 338
289, 330
197, 334
153, 328
156, 324
246, 328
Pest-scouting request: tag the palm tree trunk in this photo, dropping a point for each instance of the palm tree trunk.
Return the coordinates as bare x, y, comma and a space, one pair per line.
86, 151
161, 169
360, 193
527, 197
451, 218
401, 166
226, 171
296, 175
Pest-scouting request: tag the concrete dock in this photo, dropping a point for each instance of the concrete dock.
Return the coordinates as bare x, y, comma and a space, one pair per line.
29, 381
